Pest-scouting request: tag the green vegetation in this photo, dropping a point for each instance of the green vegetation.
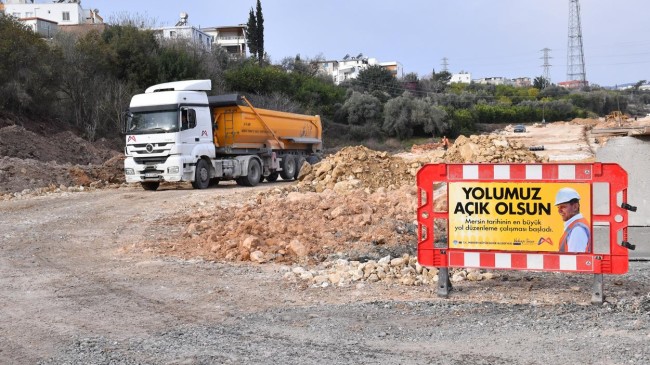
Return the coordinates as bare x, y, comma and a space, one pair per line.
87, 81
255, 33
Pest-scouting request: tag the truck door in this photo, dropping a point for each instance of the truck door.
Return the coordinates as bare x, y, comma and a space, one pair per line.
189, 132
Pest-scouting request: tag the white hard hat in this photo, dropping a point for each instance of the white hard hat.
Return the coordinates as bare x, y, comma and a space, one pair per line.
565, 195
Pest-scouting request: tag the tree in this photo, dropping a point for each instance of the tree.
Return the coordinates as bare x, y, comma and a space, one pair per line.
438, 83
377, 78
260, 32
406, 116
131, 54
638, 85
255, 33
362, 109
299, 66
251, 33
541, 82
28, 74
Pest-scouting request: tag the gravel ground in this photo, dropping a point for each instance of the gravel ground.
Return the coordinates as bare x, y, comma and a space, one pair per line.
394, 332
74, 291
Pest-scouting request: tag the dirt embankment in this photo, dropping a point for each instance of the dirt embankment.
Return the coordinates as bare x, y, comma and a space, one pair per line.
356, 205
37, 158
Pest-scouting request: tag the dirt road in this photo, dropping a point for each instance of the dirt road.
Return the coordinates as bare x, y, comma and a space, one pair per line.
73, 290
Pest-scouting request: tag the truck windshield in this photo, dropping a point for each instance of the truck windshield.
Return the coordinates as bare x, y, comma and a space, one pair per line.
153, 122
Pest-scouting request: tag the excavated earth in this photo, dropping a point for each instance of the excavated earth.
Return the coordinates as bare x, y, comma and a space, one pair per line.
35, 157
322, 270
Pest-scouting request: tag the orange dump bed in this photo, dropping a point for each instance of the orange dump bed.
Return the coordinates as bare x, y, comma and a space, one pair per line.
237, 126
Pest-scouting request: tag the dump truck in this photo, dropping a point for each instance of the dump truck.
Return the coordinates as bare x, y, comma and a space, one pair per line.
176, 132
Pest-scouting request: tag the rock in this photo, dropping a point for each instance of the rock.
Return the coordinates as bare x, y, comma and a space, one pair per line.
257, 256
397, 262
458, 277
384, 260
298, 249
250, 243
338, 211
474, 276
192, 230
335, 278
320, 280
490, 275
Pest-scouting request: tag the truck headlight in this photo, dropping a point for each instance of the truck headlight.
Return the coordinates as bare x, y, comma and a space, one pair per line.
129, 171
172, 170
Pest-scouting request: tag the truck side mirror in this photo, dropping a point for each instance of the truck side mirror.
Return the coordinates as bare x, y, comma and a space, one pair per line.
191, 118
124, 122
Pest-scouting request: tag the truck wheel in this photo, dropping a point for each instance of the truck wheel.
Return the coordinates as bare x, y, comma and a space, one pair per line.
273, 177
150, 185
254, 173
201, 175
299, 163
288, 167
313, 159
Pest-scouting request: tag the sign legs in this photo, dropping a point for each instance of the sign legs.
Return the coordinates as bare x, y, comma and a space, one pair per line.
597, 296
444, 284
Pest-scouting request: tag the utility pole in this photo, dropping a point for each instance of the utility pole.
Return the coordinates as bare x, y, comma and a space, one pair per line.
547, 66
575, 52
445, 64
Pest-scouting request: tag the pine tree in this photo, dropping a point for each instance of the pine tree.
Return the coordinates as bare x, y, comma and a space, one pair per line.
251, 33
260, 32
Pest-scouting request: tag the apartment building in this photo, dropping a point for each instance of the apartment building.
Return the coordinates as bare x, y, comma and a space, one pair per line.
461, 78
349, 67
232, 38
183, 31
494, 81
64, 12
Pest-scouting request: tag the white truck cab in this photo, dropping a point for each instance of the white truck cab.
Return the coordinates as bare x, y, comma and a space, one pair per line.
168, 128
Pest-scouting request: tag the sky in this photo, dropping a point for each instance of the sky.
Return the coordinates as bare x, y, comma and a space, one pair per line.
487, 38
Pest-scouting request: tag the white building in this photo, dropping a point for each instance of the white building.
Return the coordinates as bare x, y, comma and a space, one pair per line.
349, 67
43, 27
522, 82
183, 31
67, 12
231, 38
494, 81
461, 78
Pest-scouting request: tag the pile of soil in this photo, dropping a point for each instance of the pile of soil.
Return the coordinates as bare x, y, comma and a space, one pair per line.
290, 227
358, 204
358, 167
489, 149
41, 156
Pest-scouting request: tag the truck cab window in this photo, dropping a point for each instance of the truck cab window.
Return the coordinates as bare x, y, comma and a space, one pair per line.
188, 118
184, 124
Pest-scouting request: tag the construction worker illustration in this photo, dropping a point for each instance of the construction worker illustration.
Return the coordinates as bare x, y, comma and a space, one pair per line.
577, 235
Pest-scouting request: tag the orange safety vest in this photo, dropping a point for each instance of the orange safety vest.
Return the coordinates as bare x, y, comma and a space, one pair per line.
582, 223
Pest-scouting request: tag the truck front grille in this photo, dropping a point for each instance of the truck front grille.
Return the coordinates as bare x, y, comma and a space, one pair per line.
150, 160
